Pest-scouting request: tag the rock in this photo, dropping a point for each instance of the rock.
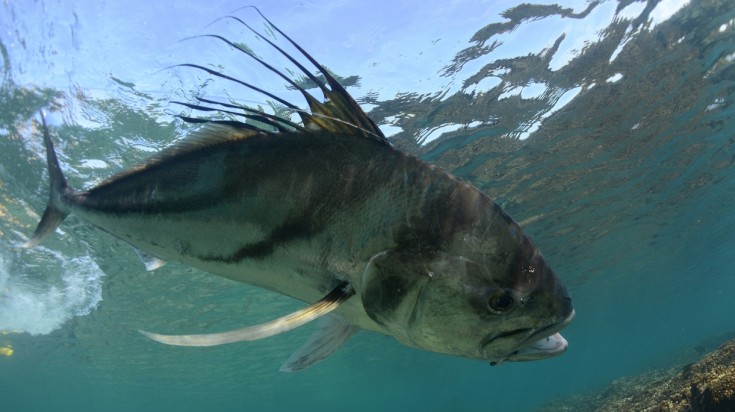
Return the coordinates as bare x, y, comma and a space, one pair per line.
707, 385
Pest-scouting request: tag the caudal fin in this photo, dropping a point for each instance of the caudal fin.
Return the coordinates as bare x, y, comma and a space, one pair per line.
56, 210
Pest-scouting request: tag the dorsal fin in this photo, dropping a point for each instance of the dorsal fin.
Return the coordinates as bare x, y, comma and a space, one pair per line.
339, 113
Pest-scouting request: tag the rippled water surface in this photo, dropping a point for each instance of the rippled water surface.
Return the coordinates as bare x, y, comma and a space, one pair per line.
605, 128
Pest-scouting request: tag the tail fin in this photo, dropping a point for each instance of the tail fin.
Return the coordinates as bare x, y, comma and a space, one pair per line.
55, 211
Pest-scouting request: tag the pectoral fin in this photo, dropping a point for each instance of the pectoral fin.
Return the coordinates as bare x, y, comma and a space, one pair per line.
151, 262
283, 324
332, 333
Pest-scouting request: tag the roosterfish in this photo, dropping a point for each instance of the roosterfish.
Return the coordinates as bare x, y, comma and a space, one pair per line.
326, 211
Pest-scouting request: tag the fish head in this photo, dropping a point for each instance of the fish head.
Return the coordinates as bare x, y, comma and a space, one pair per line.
503, 303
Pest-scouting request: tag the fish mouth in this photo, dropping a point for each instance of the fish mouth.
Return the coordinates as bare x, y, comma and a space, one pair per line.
532, 343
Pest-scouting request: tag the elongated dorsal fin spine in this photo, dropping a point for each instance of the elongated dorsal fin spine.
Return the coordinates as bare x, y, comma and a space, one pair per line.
246, 84
349, 109
281, 124
339, 113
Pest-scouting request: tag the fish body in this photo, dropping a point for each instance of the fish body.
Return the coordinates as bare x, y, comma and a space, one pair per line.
296, 215
330, 210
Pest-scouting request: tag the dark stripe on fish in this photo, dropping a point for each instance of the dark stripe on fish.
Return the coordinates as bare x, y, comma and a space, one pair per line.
149, 191
135, 206
287, 232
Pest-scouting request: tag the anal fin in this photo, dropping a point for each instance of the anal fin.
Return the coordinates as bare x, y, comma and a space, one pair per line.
283, 324
331, 335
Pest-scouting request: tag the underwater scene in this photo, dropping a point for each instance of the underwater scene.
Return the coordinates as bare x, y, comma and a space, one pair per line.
604, 129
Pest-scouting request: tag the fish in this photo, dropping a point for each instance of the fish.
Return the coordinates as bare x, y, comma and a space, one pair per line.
325, 210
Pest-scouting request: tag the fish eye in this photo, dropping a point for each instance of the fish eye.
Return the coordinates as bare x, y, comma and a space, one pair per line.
501, 302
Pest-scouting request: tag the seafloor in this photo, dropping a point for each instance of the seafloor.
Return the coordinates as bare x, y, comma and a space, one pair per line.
705, 385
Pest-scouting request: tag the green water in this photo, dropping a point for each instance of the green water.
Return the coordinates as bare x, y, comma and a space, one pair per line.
607, 130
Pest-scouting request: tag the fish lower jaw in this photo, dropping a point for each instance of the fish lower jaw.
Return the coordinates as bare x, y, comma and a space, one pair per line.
534, 343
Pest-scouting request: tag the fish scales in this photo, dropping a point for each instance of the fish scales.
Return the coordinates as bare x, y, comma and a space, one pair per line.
331, 214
